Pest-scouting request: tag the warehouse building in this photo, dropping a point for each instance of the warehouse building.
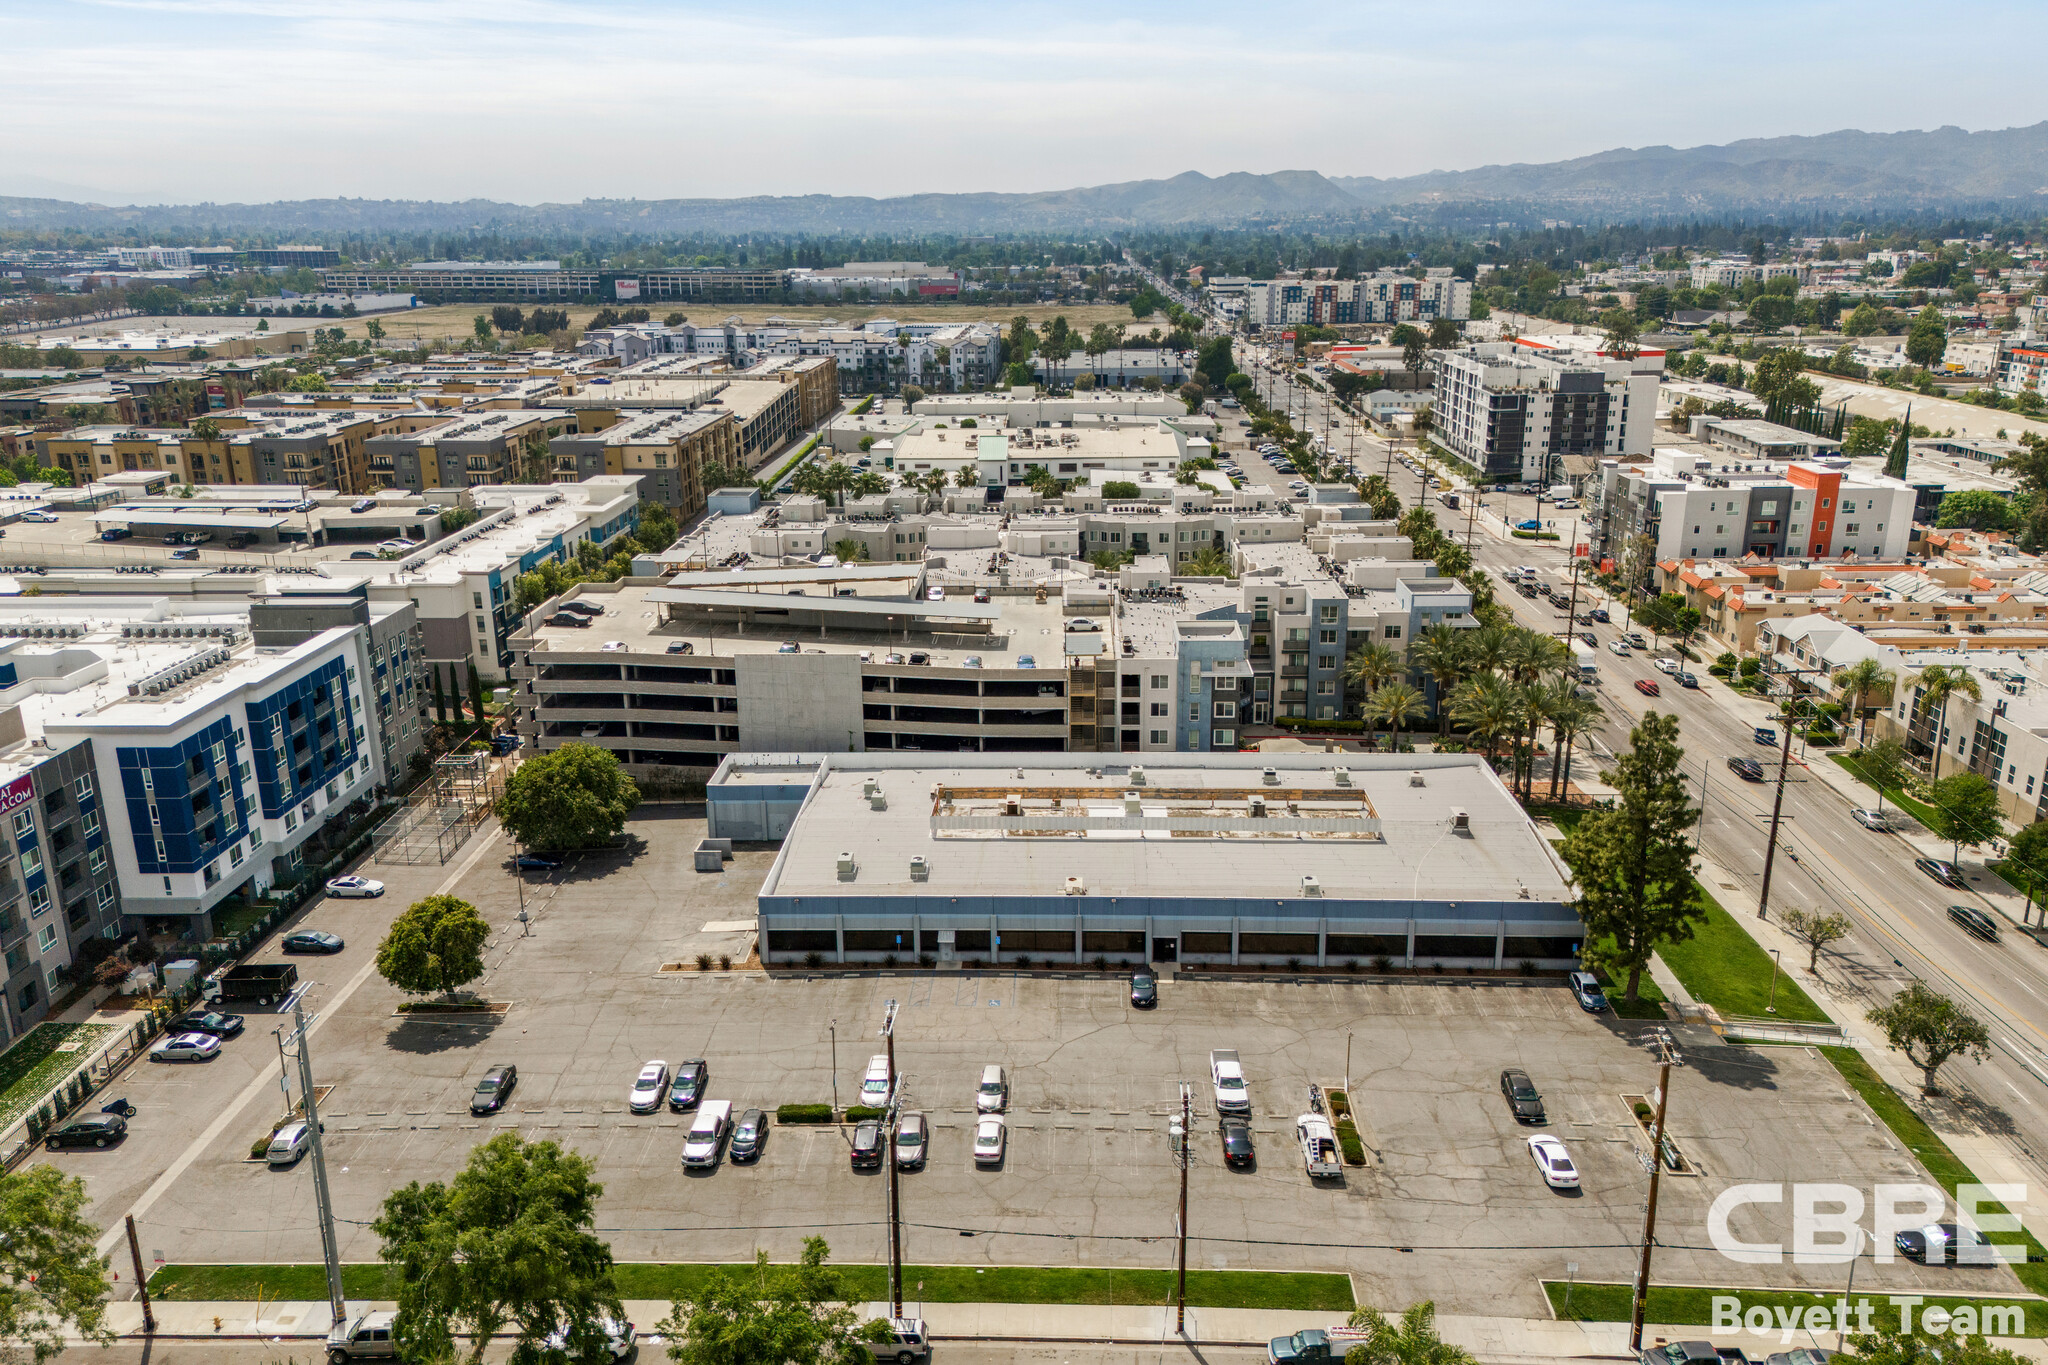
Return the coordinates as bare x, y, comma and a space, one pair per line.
1295, 859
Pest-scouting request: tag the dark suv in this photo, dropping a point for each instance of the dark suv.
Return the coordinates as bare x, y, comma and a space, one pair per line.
867, 1144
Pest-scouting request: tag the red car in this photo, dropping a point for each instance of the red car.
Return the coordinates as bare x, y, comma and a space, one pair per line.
1646, 687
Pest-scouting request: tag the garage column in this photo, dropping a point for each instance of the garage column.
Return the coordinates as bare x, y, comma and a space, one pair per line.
1234, 923
1323, 942
1500, 944
839, 933
1411, 944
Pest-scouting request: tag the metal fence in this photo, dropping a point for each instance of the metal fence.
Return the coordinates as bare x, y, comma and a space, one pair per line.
440, 815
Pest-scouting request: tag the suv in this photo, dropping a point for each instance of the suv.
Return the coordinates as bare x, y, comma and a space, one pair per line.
867, 1144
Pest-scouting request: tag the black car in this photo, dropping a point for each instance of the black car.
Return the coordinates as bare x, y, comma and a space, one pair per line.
493, 1089
867, 1144
1945, 873
1520, 1093
688, 1086
568, 618
537, 862
1599, 614
1976, 921
206, 1021
1238, 1151
1945, 1244
1589, 637
95, 1130
312, 941
582, 608
1686, 679
749, 1137
1144, 990
1748, 769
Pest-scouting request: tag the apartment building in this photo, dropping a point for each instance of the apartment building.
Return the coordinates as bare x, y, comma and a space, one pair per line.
478, 448
1734, 272
1530, 411
768, 413
1694, 503
1386, 296
668, 450
2020, 365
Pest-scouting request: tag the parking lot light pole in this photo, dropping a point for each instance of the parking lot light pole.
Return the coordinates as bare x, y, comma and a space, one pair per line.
835, 1068
1186, 1157
889, 1115
323, 1200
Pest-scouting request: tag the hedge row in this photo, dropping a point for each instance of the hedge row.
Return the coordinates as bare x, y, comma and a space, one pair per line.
803, 1113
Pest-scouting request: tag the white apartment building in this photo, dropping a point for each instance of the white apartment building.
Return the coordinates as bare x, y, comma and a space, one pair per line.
1735, 271
1517, 408
1386, 296
1698, 503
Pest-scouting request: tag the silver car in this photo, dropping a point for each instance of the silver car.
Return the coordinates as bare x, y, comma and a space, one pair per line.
649, 1087
1871, 819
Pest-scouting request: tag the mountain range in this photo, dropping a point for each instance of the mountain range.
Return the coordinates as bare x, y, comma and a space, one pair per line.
1849, 171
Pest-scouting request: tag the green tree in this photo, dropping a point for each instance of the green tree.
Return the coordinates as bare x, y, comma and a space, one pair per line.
52, 1281
1964, 810
1863, 321
509, 1243
1927, 341
1623, 337
1215, 363
1980, 509
1440, 652
1866, 436
1859, 684
1395, 703
436, 945
1633, 860
1930, 1028
374, 329
1889, 1346
1774, 372
572, 797
1210, 562
657, 528
308, 383
2026, 863
481, 325
772, 1315
205, 429
1668, 614
1816, 929
1936, 683
718, 474
1443, 335
1409, 1340
850, 550
1119, 489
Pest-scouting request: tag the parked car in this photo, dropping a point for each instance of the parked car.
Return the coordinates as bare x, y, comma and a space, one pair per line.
194, 554
312, 941
206, 1021
367, 1336
1648, 687
708, 1132
1600, 614
1976, 921
1636, 640
1586, 990
1871, 819
1520, 1093
1238, 1151
1945, 1244
992, 1096
1554, 1162
289, 1143
990, 1134
867, 1144
568, 618
1945, 873
354, 886
648, 1088
874, 1085
912, 1141
581, 606
1144, 990
42, 518
494, 1089
1748, 769
688, 1087
680, 647
186, 1047
362, 505
94, 1130
1688, 679
749, 1136
116, 533
981, 595
1665, 665
537, 862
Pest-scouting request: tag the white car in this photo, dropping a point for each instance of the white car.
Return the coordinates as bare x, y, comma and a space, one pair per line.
1554, 1162
618, 1339
989, 1134
186, 1047
934, 594
290, 1143
1871, 819
1666, 665
362, 887
42, 517
648, 1088
1618, 647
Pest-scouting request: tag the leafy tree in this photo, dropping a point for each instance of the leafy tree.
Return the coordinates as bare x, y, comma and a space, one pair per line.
1927, 341
1862, 322
1668, 614
1633, 860
850, 550
1930, 1028
772, 1315
508, 318
1889, 1346
718, 475
1774, 372
1964, 810
509, 1243
481, 325
1443, 334
912, 395
1979, 509
1410, 1340
1115, 489
1866, 436
1623, 336
308, 383
436, 945
374, 330
572, 797
1816, 930
1214, 362
2026, 862
52, 1282
1146, 302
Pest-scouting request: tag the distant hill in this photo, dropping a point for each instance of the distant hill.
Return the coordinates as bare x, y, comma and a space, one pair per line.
1845, 171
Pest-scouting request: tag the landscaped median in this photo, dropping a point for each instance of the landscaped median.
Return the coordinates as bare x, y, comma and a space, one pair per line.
1094, 1285
1693, 1306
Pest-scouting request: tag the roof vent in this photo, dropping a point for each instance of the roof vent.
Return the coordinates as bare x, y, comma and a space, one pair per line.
870, 786
1137, 775
1270, 776
846, 868
1131, 804
1311, 888
877, 800
1076, 887
1013, 805
1415, 780
1256, 807
1343, 776
920, 870
1460, 820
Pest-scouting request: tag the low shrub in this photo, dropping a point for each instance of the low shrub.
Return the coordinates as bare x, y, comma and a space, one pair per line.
1351, 965
1340, 1103
1100, 963
927, 960
725, 962
703, 962
803, 1113
814, 958
1526, 967
1347, 1138
856, 1112
888, 959
1293, 964
1383, 963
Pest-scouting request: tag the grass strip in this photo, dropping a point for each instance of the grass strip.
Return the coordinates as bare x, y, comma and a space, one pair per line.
1692, 1306
30, 1068
1916, 1137
1722, 966
1919, 810
1293, 1292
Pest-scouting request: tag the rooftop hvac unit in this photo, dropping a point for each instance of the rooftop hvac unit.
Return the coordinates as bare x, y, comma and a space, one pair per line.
1415, 780
870, 786
1270, 776
1460, 820
1256, 807
920, 870
1311, 887
877, 800
846, 867
1137, 775
1013, 805
1343, 776
1131, 804
1076, 887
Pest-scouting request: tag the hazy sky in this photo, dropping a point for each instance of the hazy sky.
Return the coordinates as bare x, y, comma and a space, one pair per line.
532, 100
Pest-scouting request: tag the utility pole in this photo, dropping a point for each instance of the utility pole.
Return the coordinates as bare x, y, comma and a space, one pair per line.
1186, 1156
1571, 615
895, 1207
1642, 1297
1763, 900
323, 1200
142, 1282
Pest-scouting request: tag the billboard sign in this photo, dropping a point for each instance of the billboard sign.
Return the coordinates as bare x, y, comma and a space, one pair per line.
17, 793
623, 290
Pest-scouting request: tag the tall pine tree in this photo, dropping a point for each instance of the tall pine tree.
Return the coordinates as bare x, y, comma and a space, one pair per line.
1895, 462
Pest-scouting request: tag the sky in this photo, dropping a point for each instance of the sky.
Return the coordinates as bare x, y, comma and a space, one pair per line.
183, 101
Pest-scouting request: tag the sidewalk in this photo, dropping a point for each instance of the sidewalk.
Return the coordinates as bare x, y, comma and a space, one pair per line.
1500, 1341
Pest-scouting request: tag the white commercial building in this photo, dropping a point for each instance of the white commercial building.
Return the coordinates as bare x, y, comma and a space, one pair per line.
1520, 409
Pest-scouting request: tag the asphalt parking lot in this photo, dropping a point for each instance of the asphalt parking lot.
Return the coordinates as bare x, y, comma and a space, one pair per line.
1449, 1205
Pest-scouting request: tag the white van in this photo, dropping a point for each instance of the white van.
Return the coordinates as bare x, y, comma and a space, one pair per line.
874, 1087
707, 1133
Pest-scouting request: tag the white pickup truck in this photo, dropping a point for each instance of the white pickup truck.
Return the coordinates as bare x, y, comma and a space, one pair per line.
1228, 1075
1318, 1147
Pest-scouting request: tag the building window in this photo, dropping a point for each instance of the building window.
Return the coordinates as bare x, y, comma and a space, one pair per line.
1393, 632
1161, 737
1161, 680
1224, 710
46, 938
97, 862
31, 862
1160, 708
1326, 687
24, 823
83, 787
1326, 637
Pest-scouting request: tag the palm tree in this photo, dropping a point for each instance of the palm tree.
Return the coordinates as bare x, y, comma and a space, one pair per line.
1939, 682
1531, 656
1490, 708
1569, 715
1370, 665
1488, 647
1442, 653
1396, 703
1860, 682
1412, 1340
